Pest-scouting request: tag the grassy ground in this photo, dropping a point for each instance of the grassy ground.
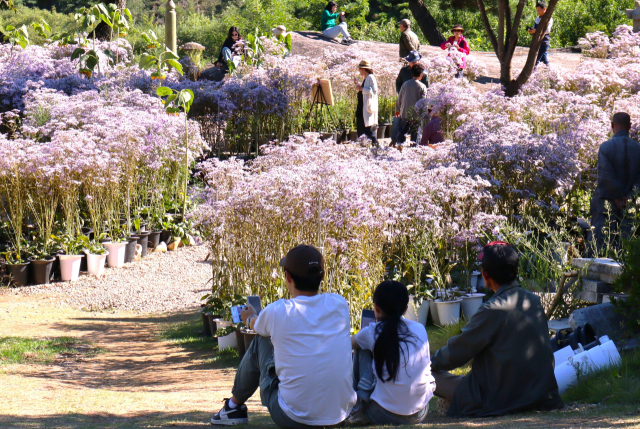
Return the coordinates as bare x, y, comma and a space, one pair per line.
158, 372
42, 351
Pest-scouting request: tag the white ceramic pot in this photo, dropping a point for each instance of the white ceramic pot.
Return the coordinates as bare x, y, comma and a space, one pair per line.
70, 267
423, 312
448, 311
474, 279
228, 342
95, 263
470, 304
411, 313
115, 259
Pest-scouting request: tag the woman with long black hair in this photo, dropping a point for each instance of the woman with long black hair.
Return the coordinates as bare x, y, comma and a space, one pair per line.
399, 389
228, 53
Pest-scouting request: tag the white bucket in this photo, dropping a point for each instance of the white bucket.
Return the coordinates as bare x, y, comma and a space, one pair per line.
423, 313
448, 311
470, 304
228, 342
115, 259
562, 355
613, 357
70, 267
565, 376
474, 279
95, 263
434, 312
410, 314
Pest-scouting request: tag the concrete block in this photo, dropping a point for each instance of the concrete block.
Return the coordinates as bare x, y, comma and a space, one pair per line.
599, 269
602, 318
592, 297
606, 297
596, 286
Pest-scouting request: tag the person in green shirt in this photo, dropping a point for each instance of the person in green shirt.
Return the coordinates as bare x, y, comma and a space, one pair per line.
328, 24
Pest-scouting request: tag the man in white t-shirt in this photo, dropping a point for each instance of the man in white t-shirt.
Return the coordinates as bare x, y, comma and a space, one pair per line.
304, 370
541, 9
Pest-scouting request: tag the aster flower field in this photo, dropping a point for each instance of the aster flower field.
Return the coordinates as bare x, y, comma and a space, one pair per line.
412, 214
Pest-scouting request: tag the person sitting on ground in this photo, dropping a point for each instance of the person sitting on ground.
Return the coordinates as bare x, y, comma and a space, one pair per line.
408, 39
367, 107
618, 179
228, 51
328, 24
432, 132
411, 91
391, 368
460, 43
543, 50
507, 340
404, 75
301, 358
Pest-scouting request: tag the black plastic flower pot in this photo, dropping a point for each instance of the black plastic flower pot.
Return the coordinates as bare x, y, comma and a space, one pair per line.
19, 274
165, 236
387, 131
154, 239
213, 322
83, 262
206, 328
241, 348
382, 129
248, 338
130, 249
56, 265
143, 241
41, 270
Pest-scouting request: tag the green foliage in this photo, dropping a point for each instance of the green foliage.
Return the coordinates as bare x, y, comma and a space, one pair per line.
160, 58
72, 245
629, 283
615, 385
17, 350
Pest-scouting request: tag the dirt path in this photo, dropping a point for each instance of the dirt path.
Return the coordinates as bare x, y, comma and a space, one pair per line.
143, 382
311, 44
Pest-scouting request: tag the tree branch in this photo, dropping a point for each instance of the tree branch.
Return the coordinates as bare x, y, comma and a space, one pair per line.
501, 19
487, 27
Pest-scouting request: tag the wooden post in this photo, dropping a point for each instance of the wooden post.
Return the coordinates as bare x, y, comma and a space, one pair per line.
170, 38
635, 15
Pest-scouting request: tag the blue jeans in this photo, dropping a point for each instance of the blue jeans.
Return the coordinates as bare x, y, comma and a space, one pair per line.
258, 369
364, 382
542, 52
228, 56
403, 128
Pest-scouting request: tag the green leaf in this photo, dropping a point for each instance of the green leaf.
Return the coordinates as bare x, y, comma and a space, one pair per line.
173, 110
148, 61
168, 55
109, 53
171, 99
163, 91
176, 65
77, 53
91, 59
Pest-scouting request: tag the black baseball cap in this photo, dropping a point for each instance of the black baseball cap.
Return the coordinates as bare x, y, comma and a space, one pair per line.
303, 261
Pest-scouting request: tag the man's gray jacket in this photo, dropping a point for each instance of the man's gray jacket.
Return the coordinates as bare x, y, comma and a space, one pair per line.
513, 367
408, 42
618, 169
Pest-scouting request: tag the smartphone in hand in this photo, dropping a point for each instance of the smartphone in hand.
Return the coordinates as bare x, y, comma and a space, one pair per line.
235, 313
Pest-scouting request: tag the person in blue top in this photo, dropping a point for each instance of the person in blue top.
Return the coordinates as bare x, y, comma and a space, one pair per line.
328, 24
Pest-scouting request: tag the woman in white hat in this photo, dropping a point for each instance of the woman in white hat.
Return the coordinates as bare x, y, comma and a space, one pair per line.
367, 110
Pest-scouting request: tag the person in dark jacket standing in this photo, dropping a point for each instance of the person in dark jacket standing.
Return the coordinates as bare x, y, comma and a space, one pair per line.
403, 76
408, 39
508, 340
618, 178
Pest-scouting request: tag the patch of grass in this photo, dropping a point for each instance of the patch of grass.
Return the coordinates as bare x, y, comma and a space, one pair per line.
438, 337
612, 385
42, 351
188, 335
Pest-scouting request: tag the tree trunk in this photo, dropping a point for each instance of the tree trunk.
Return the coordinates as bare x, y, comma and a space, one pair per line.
426, 22
122, 4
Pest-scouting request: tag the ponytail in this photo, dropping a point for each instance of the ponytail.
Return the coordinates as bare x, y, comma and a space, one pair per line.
392, 298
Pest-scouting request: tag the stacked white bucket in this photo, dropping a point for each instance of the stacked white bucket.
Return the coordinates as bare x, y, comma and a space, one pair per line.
570, 362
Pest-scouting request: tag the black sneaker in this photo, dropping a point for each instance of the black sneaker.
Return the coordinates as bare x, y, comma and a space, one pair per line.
230, 416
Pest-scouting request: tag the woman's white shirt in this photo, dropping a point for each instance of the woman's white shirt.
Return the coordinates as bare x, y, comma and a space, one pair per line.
414, 384
370, 100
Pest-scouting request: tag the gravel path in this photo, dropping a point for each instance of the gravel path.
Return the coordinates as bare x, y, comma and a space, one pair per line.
160, 282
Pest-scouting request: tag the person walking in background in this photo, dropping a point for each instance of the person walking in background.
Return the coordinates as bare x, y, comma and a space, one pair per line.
458, 49
391, 366
618, 179
328, 24
228, 51
432, 132
404, 75
367, 109
541, 8
411, 91
507, 341
408, 39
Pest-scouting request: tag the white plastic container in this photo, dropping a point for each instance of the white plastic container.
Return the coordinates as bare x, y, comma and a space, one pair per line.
448, 311
474, 279
562, 355
434, 312
70, 267
116, 254
423, 312
411, 313
470, 304
228, 342
95, 263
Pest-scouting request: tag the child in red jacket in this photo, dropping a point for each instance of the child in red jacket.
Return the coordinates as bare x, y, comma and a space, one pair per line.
458, 49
